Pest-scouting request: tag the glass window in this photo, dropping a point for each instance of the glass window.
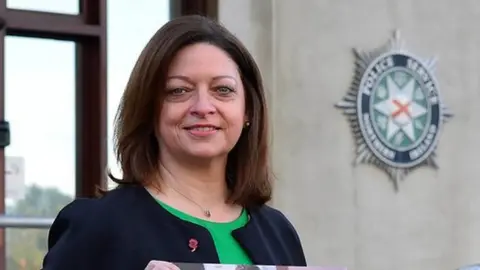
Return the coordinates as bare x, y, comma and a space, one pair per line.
55, 6
130, 26
40, 106
25, 248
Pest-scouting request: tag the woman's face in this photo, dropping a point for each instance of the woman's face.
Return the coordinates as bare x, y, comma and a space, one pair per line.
203, 113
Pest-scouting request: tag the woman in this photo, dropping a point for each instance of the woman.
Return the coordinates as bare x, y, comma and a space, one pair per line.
191, 139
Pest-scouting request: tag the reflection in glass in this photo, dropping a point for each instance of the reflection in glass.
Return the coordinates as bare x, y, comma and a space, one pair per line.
25, 248
126, 39
55, 6
40, 106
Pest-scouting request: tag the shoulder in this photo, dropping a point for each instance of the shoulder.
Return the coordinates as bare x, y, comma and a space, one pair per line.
271, 212
94, 214
115, 199
71, 216
275, 217
84, 229
278, 221
76, 236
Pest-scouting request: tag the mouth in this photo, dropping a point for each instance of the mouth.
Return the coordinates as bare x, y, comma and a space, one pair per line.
202, 130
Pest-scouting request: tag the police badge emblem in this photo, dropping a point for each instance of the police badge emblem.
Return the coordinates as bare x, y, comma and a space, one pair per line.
395, 109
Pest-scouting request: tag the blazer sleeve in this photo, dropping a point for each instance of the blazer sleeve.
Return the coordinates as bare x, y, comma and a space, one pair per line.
78, 238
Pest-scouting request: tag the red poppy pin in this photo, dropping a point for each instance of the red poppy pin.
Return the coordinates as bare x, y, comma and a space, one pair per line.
193, 244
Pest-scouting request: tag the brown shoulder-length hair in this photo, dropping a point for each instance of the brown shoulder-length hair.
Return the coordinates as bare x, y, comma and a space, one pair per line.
136, 146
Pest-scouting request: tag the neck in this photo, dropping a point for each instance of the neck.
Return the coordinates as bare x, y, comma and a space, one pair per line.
203, 182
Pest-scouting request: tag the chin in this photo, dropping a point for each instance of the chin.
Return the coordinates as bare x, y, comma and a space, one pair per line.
205, 153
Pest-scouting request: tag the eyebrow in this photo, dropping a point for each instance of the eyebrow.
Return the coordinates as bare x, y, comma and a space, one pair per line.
185, 78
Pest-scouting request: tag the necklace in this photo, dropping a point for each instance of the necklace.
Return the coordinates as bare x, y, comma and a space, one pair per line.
205, 211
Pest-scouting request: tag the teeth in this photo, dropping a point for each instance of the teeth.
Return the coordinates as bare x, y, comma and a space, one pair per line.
203, 128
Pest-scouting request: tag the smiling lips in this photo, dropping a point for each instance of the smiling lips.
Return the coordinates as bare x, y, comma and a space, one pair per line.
202, 130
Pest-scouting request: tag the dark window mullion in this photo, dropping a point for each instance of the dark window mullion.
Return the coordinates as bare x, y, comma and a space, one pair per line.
92, 102
207, 8
48, 25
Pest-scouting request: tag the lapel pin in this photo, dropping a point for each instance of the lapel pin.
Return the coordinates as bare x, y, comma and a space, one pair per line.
193, 244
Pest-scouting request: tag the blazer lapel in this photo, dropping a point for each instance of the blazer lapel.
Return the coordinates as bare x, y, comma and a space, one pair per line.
255, 242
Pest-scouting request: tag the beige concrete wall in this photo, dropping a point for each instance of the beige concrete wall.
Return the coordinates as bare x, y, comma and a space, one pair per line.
351, 215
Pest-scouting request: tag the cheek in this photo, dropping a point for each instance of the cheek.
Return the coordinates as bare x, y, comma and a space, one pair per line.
170, 118
236, 123
238, 117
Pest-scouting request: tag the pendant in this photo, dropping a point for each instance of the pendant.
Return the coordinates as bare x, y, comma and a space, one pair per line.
207, 213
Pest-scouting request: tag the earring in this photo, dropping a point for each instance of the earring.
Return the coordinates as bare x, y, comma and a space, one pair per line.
247, 123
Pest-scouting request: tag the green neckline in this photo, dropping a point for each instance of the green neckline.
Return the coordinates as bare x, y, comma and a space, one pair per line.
232, 225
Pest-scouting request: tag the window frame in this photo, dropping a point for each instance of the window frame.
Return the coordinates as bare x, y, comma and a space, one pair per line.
88, 31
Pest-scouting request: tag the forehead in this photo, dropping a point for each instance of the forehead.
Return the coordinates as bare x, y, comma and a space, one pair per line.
202, 58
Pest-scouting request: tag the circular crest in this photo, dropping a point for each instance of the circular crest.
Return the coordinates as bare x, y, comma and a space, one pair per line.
398, 109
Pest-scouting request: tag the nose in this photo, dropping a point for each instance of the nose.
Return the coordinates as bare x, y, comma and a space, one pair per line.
202, 105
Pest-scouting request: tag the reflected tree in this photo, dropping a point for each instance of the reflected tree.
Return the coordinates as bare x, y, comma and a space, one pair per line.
27, 247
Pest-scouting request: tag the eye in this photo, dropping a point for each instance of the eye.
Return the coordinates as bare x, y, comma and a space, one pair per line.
177, 91
224, 90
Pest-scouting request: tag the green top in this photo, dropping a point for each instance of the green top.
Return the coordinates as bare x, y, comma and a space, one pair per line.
228, 249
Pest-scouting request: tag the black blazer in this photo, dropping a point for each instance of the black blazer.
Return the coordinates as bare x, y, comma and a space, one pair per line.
127, 228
